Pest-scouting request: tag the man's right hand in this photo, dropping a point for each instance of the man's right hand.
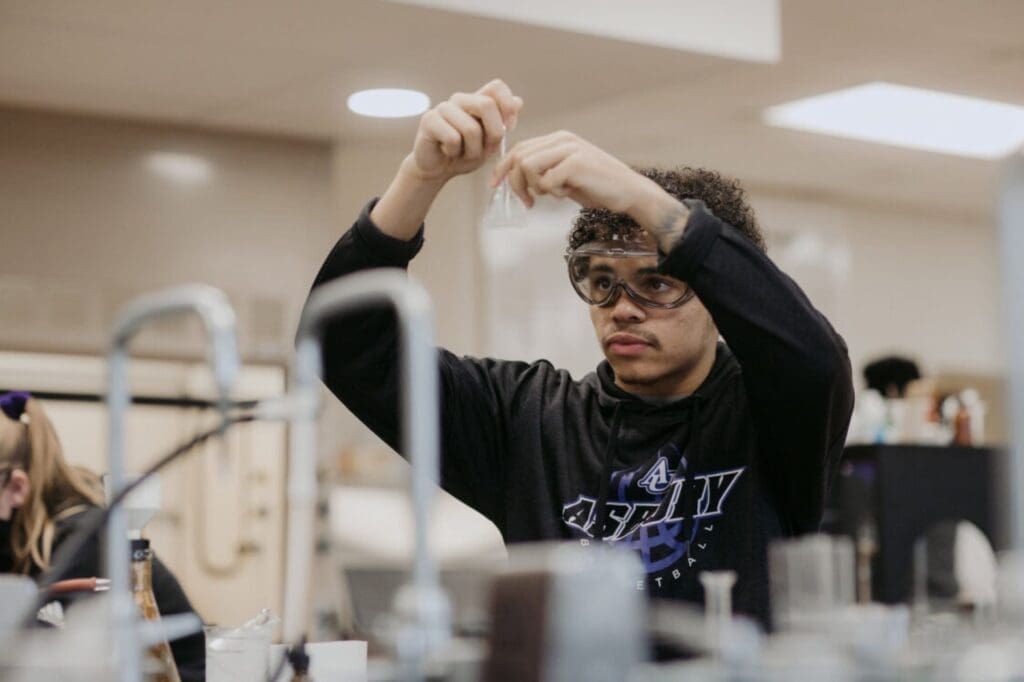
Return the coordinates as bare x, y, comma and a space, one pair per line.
455, 137
460, 134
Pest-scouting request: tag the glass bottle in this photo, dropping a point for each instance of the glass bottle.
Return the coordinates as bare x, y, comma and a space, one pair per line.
142, 592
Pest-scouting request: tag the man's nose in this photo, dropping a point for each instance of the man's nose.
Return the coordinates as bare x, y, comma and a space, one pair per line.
625, 309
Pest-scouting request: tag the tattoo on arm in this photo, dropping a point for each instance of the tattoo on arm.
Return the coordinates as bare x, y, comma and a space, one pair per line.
670, 225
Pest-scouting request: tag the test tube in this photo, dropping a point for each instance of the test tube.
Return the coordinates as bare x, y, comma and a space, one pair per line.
505, 208
717, 604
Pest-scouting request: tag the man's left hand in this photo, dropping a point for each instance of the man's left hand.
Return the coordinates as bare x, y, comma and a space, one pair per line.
563, 165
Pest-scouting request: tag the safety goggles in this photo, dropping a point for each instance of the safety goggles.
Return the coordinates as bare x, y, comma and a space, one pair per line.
598, 271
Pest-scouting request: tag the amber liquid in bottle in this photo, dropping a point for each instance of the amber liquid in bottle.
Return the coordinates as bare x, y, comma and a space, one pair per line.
142, 592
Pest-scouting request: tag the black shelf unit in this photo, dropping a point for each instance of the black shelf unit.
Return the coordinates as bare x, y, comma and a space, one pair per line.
906, 489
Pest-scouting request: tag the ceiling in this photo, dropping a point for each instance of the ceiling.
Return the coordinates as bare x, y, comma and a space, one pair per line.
286, 69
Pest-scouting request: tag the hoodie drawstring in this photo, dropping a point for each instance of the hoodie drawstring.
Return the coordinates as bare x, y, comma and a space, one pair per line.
693, 447
693, 442
601, 509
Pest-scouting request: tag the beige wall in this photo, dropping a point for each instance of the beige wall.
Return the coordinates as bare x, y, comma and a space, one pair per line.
926, 286
448, 265
86, 225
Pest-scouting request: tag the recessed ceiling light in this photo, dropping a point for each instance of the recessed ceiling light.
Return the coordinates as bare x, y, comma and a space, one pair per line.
184, 169
909, 117
388, 102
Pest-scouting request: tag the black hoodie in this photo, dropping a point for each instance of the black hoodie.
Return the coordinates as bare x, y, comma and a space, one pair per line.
701, 483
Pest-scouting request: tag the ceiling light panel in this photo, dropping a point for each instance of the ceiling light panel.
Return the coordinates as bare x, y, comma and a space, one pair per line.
741, 29
903, 116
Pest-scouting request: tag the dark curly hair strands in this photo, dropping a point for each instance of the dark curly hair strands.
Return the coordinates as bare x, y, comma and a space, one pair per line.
723, 196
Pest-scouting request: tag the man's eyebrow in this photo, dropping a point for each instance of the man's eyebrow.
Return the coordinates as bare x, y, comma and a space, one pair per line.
602, 267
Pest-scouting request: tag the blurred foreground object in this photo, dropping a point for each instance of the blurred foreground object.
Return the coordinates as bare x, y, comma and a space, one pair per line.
563, 612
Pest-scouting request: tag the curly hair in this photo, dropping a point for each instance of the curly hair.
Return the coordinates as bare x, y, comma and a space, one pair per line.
722, 195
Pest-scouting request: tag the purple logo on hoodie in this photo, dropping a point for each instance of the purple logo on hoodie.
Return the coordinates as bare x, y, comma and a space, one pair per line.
654, 509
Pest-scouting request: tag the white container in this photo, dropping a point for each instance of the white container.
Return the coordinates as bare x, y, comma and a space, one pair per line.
334, 661
237, 654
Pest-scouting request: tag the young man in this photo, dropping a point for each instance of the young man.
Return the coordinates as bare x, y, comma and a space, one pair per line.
693, 452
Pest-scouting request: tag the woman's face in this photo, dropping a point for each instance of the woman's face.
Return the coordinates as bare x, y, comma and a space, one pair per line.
14, 492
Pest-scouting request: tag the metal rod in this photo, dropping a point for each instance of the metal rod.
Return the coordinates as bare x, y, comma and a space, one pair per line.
1011, 235
422, 599
214, 310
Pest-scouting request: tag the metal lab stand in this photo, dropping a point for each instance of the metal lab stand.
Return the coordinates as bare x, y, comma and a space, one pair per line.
217, 316
422, 606
1011, 236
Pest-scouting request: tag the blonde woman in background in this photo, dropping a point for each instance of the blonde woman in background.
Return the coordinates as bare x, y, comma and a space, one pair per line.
44, 501
40, 490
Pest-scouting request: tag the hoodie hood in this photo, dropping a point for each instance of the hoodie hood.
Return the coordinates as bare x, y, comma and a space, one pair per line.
632, 417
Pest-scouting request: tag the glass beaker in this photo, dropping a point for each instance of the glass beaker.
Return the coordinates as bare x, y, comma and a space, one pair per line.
811, 577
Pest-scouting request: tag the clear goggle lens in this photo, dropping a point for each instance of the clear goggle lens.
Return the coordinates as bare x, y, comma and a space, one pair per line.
598, 271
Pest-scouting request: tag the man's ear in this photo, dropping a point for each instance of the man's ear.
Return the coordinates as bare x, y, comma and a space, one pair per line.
18, 487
